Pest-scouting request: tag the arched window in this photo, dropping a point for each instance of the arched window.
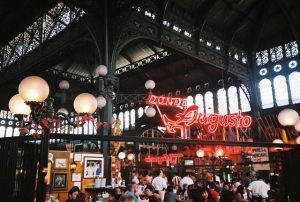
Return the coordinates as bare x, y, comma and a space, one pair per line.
209, 102
127, 119
121, 118
190, 101
86, 128
294, 79
2, 131
281, 91
132, 118
266, 94
233, 100
80, 130
9, 132
140, 112
91, 127
199, 102
245, 105
222, 101
16, 132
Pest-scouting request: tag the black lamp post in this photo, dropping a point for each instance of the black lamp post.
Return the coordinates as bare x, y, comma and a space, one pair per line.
32, 100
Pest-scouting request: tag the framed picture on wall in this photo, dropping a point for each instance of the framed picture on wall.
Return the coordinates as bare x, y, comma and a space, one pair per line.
60, 163
60, 181
93, 167
76, 177
77, 157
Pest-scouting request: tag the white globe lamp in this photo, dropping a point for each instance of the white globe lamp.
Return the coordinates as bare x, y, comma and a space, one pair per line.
219, 152
288, 117
297, 126
85, 103
130, 156
174, 147
200, 153
121, 155
64, 85
63, 110
150, 85
150, 112
17, 105
101, 101
277, 141
297, 141
101, 70
34, 89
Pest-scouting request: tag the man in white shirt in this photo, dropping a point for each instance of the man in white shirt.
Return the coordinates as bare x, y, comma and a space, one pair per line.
159, 183
186, 180
259, 189
90, 171
176, 179
135, 178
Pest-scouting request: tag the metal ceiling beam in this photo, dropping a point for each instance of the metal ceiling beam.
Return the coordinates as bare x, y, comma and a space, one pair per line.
127, 57
45, 55
151, 46
242, 22
261, 19
289, 19
136, 138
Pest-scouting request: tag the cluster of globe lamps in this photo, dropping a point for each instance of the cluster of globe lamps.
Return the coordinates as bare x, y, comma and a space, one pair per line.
34, 89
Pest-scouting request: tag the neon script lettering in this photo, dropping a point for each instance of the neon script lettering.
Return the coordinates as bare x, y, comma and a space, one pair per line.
167, 101
192, 116
172, 158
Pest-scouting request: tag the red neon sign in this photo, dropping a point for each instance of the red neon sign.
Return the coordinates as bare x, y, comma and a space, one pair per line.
167, 101
172, 158
191, 116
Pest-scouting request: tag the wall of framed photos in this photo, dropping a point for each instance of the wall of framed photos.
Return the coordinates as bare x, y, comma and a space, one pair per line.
89, 166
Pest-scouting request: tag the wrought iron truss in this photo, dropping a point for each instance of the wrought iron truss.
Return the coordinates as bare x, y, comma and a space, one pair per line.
130, 100
69, 76
143, 62
177, 33
46, 27
144, 22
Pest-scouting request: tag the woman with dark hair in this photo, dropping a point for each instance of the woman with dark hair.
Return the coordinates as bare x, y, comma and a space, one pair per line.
170, 196
239, 194
226, 195
206, 195
149, 193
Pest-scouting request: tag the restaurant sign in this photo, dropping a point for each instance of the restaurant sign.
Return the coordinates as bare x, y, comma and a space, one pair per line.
172, 158
191, 115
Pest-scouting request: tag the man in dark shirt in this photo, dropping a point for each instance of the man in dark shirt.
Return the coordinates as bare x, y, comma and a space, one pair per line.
170, 196
72, 194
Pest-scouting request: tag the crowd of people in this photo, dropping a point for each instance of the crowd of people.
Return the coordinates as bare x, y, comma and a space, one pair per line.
187, 189
158, 188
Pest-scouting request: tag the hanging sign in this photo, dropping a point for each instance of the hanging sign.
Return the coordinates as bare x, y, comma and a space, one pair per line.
172, 158
260, 154
191, 116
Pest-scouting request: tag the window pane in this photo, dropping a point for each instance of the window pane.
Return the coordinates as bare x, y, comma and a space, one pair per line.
16, 132
2, 131
132, 118
233, 99
295, 87
190, 101
9, 132
245, 105
140, 112
222, 101
199, 102
209, 102
127, 120
281, 91
266, 94
121, 118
